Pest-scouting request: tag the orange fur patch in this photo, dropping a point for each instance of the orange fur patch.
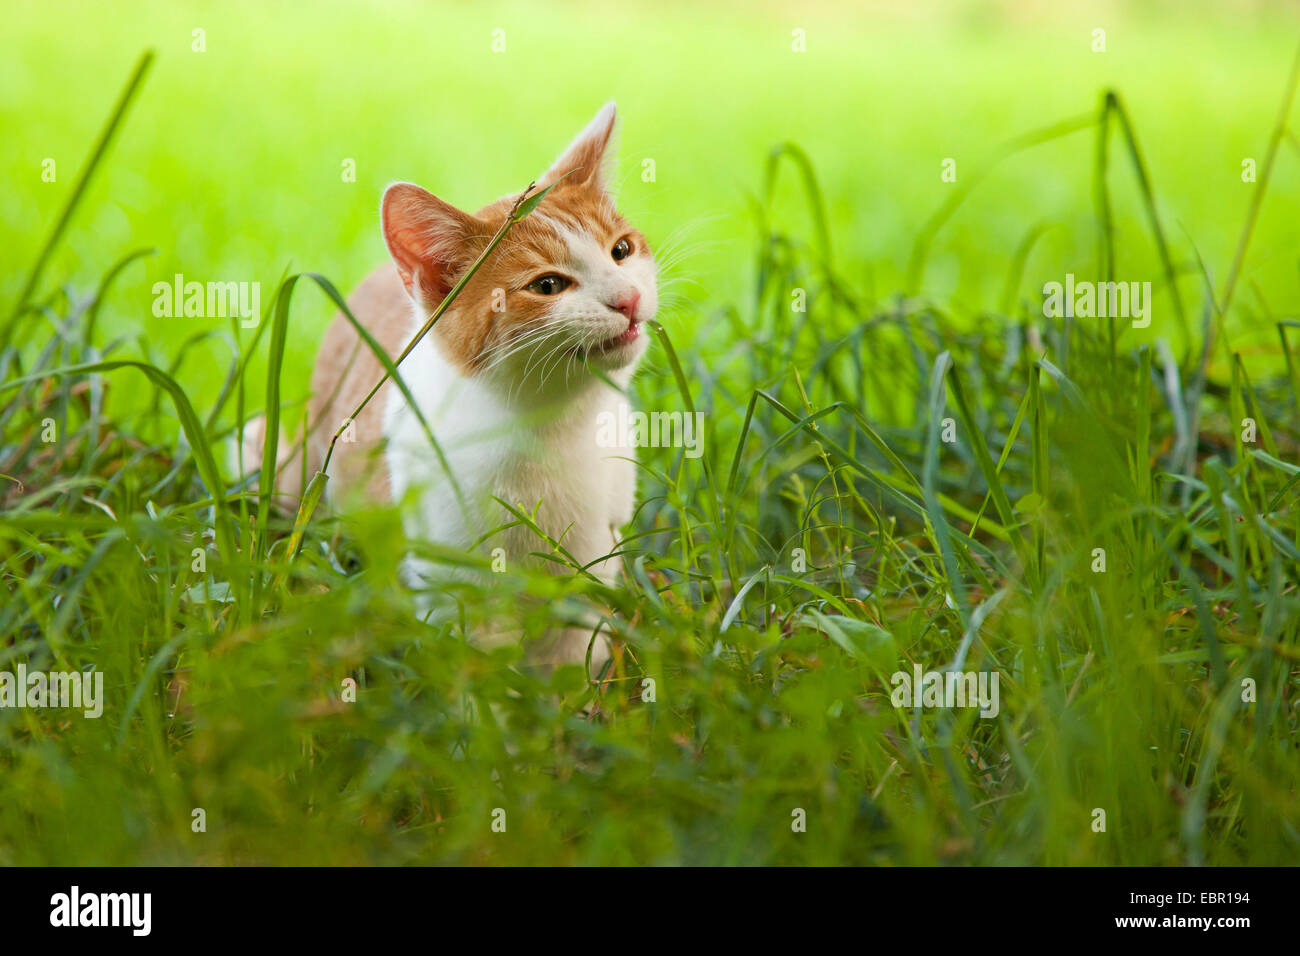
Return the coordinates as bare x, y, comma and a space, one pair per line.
533, 247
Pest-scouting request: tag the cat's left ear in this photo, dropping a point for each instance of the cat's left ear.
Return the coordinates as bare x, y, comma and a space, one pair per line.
584, 160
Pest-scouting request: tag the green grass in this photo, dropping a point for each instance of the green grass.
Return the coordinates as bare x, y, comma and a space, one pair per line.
1120, 690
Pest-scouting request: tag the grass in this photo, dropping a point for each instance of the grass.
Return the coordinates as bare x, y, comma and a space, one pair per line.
828, 537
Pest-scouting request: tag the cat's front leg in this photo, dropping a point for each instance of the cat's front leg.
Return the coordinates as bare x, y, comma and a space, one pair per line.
569, 646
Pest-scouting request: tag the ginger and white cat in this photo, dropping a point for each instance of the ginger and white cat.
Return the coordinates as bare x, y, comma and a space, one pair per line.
507, 378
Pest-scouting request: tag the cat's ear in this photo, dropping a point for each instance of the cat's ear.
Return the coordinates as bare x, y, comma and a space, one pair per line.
429, 240
584, 160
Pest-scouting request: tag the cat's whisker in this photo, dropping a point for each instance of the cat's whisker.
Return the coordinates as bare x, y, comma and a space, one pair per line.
568, 355
523, 337
537, 357
517, 343
671, 259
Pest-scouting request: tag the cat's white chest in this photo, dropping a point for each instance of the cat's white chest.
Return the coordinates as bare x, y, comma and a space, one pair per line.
555, 469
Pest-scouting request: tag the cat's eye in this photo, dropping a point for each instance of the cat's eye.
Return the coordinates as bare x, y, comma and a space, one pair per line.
622, 249
548, 285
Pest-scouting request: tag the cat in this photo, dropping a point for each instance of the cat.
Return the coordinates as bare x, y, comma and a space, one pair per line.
512, 379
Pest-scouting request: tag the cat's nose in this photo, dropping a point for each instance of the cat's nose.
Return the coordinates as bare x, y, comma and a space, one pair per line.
627, 303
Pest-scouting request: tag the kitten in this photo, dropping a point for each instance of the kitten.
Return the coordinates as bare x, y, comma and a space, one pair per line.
507, 379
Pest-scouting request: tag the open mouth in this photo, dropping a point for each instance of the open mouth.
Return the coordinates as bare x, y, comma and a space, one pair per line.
627, 337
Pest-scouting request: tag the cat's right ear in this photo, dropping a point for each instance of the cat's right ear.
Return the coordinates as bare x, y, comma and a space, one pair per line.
583, 163
428, 239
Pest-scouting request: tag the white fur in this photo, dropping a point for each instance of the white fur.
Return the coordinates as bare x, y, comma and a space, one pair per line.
525, 430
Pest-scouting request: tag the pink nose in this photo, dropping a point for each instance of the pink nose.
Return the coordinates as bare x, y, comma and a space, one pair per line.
627, 303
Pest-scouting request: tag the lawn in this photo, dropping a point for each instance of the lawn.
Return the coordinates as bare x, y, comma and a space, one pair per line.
907, 462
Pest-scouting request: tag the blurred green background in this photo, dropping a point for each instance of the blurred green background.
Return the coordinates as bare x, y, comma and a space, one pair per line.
231, 160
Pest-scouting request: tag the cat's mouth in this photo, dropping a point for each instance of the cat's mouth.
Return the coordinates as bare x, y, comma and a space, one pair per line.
616, 343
